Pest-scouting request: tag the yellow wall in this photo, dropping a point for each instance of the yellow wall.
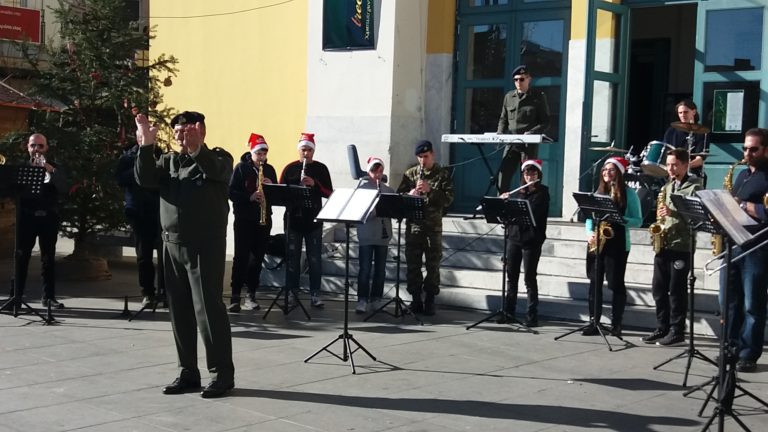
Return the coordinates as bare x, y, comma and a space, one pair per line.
441, 26
606, 26
245, 71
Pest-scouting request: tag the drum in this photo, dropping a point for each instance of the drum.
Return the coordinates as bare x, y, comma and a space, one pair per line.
654, 158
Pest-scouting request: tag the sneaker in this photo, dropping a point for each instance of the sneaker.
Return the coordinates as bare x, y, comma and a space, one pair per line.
671, 339
55, 304
655, 336
251, 303
362, 306
147, 302
234, 307
746, 366
316, 301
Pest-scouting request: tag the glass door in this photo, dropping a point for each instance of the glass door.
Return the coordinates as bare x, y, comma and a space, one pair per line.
490, 45
605, 90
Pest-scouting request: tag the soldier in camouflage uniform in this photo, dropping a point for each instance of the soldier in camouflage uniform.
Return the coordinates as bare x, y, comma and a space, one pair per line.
425, 238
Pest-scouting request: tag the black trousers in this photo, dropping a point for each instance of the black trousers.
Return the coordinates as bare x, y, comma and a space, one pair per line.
250, 247
45, 229
612, 267
146, 229
529, 257
670, 290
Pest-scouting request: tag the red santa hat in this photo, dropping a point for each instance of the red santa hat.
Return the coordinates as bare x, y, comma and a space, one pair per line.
306, 140
373, 160
531, 162
620, 162
257, 142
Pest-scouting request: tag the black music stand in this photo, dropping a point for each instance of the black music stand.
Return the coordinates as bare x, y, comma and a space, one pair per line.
293, 198
696, 218
603, 209
725, 382
506, 212
18, 180
348, 208
399, 207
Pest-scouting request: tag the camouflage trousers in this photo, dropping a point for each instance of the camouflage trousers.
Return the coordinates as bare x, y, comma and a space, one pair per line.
428, 245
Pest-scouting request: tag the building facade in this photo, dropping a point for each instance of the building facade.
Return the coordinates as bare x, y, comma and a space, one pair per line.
612, 73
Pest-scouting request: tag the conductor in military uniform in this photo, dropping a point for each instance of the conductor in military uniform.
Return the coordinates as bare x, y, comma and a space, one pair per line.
424, 238
524, 111
193, 185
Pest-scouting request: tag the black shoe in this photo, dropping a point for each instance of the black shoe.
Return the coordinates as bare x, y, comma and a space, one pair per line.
182, 385
590, 330
616, 330
234, 307
655, 336
55, 304
746, 366
216, 389
671, 339
429, 305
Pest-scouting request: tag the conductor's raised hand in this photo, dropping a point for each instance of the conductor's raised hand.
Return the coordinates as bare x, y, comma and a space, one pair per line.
193, 137
146, 134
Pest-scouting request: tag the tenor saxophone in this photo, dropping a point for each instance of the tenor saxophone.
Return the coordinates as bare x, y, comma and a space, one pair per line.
657, 230
263, 204
717, 239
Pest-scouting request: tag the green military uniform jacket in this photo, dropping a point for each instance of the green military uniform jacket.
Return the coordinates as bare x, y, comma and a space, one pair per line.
194, 193
677, 237
526, 113
437, 200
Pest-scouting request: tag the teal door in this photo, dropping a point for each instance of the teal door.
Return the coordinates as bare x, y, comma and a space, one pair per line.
731, 77
493, 39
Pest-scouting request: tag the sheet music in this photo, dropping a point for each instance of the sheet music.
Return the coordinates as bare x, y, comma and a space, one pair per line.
727, 213
349, 205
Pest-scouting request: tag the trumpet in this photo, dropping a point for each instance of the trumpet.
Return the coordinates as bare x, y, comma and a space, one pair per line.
263, 204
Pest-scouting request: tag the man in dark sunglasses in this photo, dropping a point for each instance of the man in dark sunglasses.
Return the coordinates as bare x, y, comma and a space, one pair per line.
524, 111
39, 221
748, 277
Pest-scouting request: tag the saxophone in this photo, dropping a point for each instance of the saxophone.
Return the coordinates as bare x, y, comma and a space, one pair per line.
604, 228
657, 230
717, 239
263, 204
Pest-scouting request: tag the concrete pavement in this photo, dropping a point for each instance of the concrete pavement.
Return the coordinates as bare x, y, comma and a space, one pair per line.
95, 371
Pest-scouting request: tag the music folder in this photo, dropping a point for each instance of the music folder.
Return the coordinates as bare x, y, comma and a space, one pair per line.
724, 209
349, 205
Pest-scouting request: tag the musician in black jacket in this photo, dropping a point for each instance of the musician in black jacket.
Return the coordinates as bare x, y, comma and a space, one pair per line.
524, 243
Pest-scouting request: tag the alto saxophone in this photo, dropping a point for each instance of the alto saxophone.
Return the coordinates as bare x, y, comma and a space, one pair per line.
604, 230
657, 230
717, 239
263, 204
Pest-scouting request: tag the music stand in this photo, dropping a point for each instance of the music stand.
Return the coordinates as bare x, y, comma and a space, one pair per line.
724, 213
603, 209
22, 180
349, 207
399, 207
506, 212
694, 215
293, 198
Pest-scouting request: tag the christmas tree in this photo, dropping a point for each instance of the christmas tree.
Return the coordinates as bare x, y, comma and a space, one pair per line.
100, 77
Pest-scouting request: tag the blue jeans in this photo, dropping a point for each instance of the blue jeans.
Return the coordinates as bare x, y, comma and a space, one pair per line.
376, 256
313, 240
747, 283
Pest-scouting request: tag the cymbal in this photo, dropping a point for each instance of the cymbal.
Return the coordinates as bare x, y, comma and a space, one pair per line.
690, 127
607, 149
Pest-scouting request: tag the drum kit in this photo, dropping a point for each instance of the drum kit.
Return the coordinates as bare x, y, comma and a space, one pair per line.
647, 172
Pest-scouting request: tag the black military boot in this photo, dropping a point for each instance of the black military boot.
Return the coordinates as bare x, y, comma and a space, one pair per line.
429, 304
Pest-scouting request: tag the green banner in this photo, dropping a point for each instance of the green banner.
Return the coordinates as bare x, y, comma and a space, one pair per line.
348, 24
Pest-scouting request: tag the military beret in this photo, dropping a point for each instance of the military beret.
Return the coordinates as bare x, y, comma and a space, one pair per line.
422, 147
520, 70
187, 117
